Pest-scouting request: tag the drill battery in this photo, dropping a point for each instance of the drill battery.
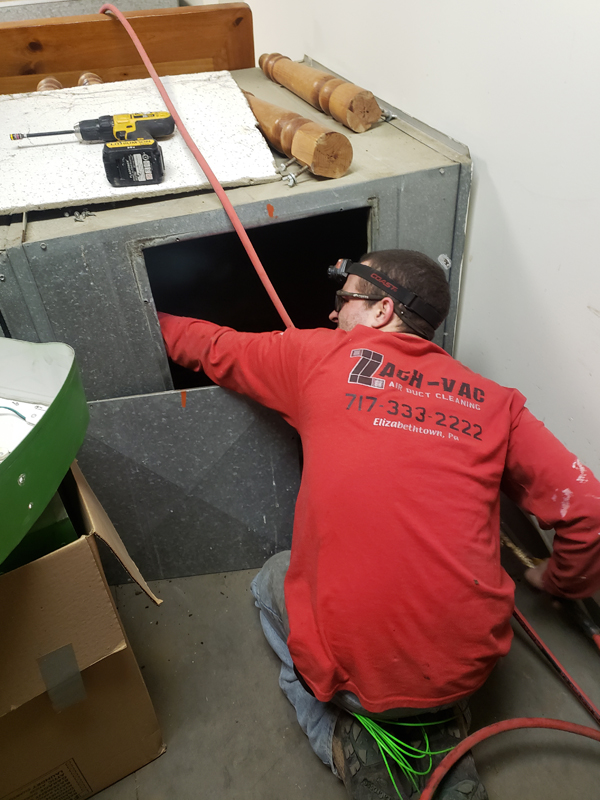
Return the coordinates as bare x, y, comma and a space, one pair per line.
133, 163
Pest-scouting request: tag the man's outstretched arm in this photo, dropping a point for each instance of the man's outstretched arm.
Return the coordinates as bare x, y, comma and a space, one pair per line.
263, 366
545, 479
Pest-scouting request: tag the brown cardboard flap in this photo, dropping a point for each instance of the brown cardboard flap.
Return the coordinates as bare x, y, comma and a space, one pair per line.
98, 522
57, 600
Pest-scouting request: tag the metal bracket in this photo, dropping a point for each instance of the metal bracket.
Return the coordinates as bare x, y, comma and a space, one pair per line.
24, 228
445, 262
292, 179
387, 116
80, 216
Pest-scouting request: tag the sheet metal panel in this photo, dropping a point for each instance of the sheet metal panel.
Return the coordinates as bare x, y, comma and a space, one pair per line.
89, 288
20, 303
91, 297
4, 225
458, 250
199, 482
208, 485
81, 279
12, 11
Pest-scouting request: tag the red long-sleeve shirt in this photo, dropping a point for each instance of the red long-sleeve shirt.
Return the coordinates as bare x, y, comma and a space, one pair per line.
395, 590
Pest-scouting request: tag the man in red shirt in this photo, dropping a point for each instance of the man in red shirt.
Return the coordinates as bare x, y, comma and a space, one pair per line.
392, 604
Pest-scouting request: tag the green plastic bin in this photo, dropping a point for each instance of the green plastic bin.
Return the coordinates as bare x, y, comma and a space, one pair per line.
45, 375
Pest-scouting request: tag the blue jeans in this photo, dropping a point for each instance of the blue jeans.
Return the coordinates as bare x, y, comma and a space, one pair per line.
316, 719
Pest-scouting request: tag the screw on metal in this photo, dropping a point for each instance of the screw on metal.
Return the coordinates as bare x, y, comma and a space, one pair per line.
445, 261
442, 171
387, 116
2, 277
44, 246
21, 479
80, 216
292, 179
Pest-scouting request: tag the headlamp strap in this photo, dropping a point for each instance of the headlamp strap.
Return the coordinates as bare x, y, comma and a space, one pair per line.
409, 299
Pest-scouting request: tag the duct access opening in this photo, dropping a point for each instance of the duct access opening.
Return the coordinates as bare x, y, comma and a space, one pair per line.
212, 278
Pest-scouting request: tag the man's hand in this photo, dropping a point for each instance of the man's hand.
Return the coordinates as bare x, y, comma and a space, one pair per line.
534, 575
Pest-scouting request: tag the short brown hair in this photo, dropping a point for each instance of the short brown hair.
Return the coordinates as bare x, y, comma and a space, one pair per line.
419, 274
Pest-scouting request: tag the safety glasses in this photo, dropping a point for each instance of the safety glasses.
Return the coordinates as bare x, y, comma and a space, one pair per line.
342, 297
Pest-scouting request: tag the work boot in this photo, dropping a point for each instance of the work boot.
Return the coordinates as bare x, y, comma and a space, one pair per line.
359, 762
361, 766
462, 782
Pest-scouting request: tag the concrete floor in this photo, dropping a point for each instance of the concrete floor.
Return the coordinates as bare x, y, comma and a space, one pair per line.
231, 733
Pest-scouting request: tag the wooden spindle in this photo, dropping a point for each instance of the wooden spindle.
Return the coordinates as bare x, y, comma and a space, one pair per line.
89, 79
325, 152
347, 103
49, 83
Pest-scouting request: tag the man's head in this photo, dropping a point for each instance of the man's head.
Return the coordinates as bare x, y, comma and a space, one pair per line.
409, 269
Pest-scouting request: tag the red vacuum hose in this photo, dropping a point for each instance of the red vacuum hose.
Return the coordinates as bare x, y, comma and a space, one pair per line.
513, 724
558, 667
107, 8
499, 727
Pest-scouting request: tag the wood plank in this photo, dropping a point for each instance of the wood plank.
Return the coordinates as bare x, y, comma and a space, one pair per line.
208, 37
28, 83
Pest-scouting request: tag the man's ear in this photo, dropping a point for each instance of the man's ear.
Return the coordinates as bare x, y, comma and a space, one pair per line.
384, 312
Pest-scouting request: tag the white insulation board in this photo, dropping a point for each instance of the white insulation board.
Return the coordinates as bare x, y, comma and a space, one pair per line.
53, 172
17, 419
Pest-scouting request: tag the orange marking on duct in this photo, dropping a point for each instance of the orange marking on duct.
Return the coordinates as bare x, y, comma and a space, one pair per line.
183, 399
271, 211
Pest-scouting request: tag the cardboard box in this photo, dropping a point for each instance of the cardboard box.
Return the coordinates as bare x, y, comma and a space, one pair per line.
75, 715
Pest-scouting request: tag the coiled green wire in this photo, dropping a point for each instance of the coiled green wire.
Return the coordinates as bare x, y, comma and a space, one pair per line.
401, 752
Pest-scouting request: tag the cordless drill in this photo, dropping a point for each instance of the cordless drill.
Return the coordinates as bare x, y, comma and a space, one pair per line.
131, 156
121, 127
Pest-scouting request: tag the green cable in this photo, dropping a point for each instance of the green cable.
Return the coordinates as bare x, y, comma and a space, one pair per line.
7, 408
400, 751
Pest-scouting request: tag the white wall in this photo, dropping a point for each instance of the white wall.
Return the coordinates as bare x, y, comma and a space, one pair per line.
518, 82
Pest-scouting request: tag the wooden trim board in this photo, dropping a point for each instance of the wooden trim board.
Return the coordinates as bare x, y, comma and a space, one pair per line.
178, 41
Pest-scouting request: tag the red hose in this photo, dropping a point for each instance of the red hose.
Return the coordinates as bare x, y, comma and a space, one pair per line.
512, 724
219, 191
558, 667
499, 727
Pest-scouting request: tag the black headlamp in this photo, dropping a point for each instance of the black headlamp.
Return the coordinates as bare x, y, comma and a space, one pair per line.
399, 294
